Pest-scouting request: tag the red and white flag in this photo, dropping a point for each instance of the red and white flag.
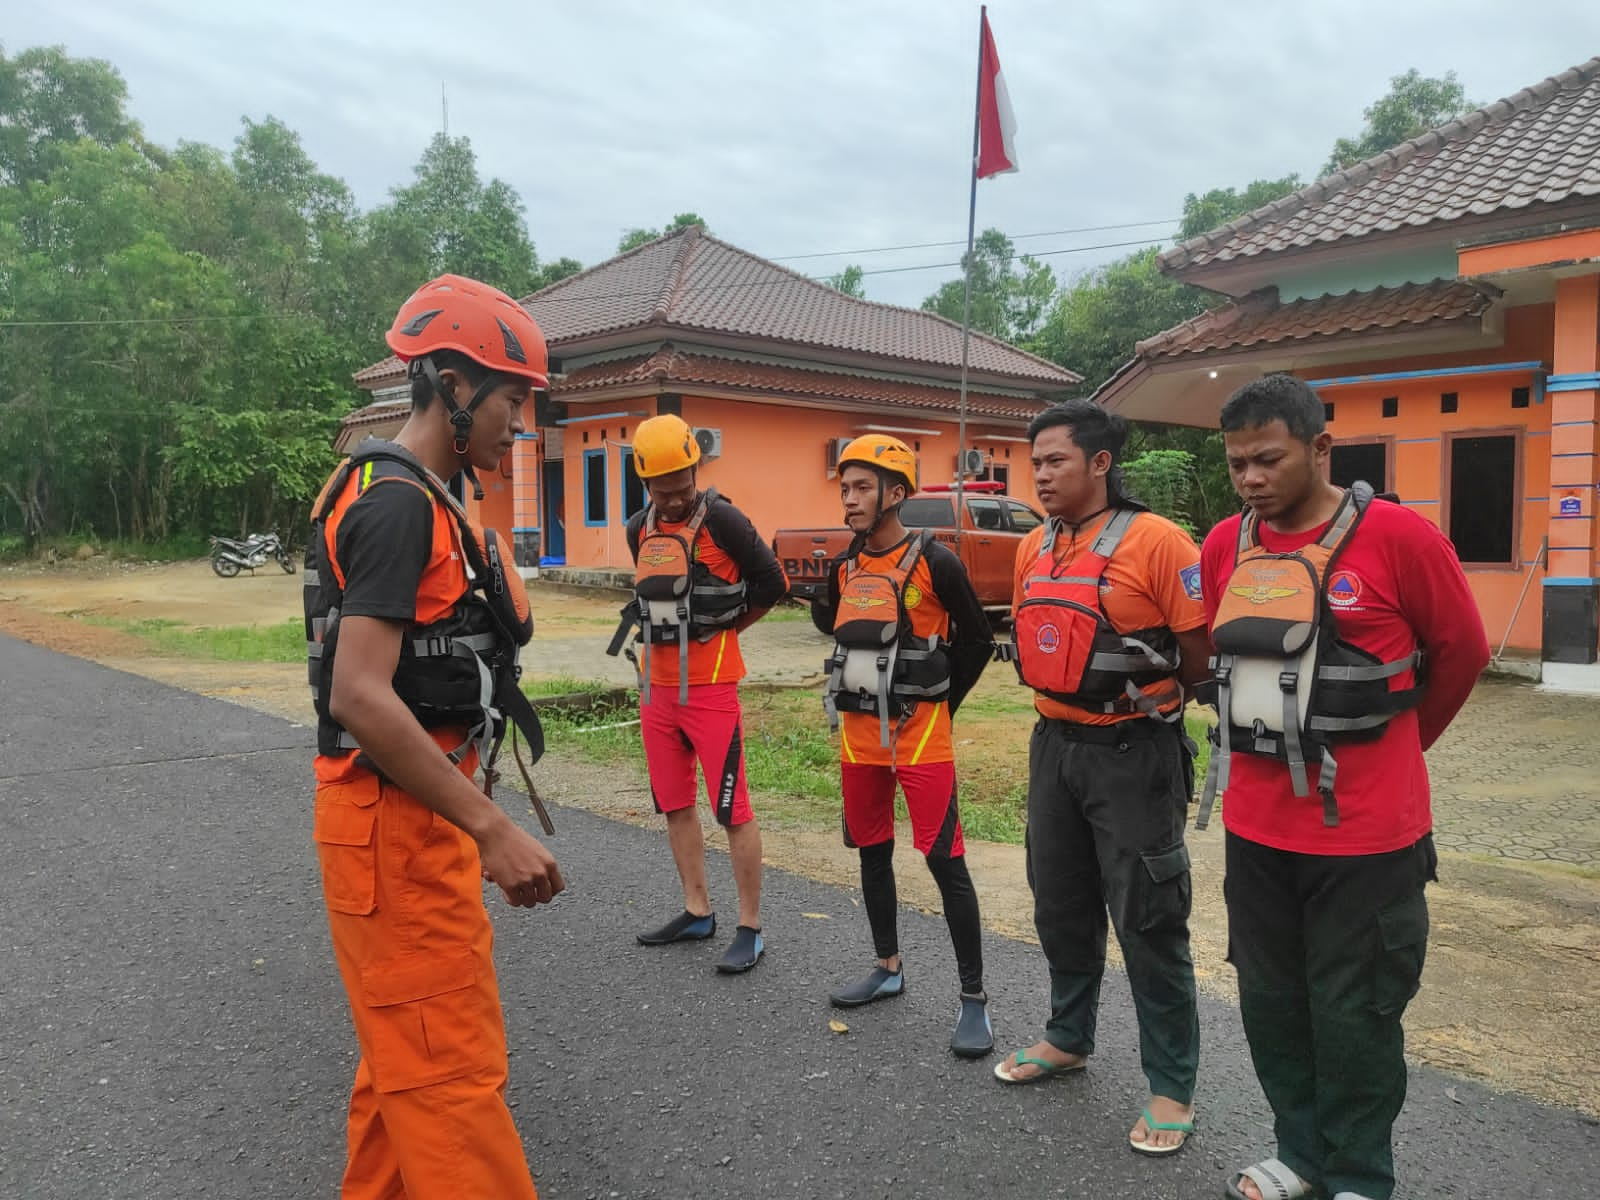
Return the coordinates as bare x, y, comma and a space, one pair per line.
997, 128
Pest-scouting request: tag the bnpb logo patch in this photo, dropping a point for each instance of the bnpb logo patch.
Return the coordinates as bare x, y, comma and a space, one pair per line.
1190, 578
1344, 589
1048, 639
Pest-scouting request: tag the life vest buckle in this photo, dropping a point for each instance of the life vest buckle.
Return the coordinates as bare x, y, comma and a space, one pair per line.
1288, 681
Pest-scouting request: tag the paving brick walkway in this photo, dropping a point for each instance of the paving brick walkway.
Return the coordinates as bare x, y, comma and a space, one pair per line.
1518, 776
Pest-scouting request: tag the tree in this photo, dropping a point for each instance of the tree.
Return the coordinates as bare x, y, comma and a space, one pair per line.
48, 101
1201, 214
848, 281
638, 236
1413, 105
1010, 295
554, 272
1094, 324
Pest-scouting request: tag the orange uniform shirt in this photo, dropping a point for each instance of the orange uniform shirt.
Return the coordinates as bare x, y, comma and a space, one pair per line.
1151, 582
924, 735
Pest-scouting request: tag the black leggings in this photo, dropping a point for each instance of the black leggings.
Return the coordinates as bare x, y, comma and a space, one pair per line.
960, 908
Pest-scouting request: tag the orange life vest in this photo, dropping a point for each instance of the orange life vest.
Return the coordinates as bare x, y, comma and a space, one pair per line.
1067, 649
1287, 684
878, 666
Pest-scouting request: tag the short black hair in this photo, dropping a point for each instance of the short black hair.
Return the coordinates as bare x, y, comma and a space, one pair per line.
1277, 397
1090, 426
474, 372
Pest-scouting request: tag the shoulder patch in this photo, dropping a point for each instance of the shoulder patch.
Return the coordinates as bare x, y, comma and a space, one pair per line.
1190, 578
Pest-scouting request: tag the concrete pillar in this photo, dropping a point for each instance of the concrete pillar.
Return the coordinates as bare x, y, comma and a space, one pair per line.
1572, 583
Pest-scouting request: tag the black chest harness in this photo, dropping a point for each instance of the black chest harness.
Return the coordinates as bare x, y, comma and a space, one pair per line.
460, 670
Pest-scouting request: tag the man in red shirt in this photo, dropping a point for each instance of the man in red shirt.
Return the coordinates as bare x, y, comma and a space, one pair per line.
1327, 920
704, 574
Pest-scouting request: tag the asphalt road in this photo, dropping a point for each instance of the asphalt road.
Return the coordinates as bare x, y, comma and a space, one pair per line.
171, 1024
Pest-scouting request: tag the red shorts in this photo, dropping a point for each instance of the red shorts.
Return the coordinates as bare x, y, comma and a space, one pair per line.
709, 728
930, 790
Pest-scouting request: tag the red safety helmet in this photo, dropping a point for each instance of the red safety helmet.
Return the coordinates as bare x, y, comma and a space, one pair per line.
482, 322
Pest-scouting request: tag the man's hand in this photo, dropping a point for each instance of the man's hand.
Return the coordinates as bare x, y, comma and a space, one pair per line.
515, 861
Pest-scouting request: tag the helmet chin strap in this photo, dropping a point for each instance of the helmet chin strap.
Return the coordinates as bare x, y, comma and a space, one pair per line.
460, 418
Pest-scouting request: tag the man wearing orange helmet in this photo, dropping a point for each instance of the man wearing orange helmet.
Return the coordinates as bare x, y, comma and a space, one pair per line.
414, 618
703, 575
910, 642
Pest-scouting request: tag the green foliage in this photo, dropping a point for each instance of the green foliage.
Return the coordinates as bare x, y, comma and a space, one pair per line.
184, 322
1010, 295
1166, 481
848, 281
1096, 322
1201, 214
1413, 105
284, 642
639, 236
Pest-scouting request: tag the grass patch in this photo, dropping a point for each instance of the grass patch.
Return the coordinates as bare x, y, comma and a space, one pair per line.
284, 642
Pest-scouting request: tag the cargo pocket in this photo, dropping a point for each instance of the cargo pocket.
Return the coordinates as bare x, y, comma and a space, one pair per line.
1167, 892
1402, 947
427, 1021
342, 828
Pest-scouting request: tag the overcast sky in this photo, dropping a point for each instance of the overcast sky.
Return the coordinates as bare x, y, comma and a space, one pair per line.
798, 128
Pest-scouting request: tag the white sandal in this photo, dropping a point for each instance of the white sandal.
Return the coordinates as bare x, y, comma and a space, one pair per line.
1273, 1179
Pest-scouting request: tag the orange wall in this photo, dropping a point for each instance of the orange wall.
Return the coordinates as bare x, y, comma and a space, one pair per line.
773, 465
1419, 465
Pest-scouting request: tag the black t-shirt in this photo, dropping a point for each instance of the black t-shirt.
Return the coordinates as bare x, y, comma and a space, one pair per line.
383, 545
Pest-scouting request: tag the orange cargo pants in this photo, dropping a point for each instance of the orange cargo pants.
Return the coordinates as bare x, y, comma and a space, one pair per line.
428, 1118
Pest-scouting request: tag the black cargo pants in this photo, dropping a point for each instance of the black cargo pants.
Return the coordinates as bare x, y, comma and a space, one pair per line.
1107, 805
1329, 950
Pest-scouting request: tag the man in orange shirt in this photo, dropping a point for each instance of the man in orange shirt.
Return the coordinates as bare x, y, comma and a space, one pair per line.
401, 638
703, 574
1109, 631
911, 640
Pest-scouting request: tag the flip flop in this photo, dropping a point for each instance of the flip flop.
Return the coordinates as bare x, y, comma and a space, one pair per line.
1273, 1179
1152, 1125
1023, 1059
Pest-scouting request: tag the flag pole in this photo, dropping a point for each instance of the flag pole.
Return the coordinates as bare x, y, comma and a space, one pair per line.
966, 289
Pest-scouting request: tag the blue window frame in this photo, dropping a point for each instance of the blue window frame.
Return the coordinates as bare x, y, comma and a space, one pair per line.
634, 497
595, 512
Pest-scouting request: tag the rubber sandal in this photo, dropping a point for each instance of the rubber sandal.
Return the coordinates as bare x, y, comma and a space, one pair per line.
685, 927
743, 952
1152, 1125
1022, 1058
1273, 1179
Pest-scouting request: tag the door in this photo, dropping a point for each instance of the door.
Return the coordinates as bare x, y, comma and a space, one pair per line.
993, 549
555, 529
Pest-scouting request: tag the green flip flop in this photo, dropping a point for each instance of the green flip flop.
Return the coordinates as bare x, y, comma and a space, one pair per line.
1022, 1058
1152, 1126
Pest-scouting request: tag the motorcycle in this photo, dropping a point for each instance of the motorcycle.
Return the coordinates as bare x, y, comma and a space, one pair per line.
229, 556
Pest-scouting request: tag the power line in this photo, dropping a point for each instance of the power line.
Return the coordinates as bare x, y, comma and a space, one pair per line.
586, 298
933, 245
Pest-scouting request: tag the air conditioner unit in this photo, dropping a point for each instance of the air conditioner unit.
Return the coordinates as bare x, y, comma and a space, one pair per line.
971, 462
709, 441
836, 447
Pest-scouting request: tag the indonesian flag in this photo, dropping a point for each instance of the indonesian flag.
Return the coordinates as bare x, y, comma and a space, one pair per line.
997, 128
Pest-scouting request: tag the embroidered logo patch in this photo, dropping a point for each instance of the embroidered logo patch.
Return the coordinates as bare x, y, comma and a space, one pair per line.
1344, 589
1049, 639
912, 595
1190, 578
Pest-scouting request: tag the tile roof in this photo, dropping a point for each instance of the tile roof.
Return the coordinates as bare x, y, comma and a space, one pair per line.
1540, 146
675, 369
1260, 320
690, 281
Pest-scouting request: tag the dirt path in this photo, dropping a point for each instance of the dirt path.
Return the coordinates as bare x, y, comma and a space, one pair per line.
1512, 990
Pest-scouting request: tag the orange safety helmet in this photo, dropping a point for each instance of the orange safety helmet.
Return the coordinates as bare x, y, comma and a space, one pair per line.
482, 322
663, 445
886, 455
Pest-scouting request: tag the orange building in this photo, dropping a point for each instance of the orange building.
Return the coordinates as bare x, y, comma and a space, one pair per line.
775, 372
1444, 300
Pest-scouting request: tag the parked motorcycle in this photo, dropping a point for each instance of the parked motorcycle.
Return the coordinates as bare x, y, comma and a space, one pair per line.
229, 556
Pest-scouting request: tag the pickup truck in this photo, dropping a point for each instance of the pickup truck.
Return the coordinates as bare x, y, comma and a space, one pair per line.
992, 526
